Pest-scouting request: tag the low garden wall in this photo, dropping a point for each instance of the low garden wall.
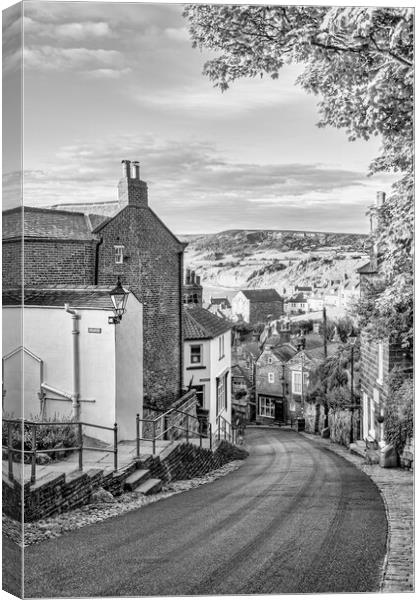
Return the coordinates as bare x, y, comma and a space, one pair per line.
54, 494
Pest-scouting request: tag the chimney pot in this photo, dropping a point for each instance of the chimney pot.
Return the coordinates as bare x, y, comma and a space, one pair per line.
126, 164
380, 199
192, 276
198, 279
136, 169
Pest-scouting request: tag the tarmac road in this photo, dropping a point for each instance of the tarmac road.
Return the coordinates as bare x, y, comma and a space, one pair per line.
295, 518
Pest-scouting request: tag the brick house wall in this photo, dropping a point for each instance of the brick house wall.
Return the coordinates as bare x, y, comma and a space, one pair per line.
260, 311
58, 261
152, 269
12, 255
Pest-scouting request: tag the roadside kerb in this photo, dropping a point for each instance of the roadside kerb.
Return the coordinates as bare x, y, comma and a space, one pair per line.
397, 491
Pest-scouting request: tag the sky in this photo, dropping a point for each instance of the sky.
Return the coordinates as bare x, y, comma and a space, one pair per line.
110, 81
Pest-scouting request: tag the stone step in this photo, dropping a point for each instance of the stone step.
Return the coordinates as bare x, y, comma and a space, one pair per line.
151, 486
136, 478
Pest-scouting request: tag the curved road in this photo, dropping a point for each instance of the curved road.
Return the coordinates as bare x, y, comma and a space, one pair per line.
294, 518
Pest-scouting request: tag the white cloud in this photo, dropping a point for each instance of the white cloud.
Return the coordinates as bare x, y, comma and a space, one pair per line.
79, 31
76, 59
178, 34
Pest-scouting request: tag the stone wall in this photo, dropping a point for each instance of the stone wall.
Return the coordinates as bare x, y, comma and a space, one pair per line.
314, 417
55, 494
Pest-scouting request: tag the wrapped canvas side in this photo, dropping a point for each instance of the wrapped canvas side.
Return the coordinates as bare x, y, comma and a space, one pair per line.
12, 278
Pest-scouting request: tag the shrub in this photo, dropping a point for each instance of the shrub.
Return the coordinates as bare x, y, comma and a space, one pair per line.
48, 436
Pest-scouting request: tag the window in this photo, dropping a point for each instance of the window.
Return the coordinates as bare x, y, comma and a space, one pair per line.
119, 254
271, 378
269, 360
221, 388
297, 382
221, 346
195, 355
380, 363
199, 392
266, 407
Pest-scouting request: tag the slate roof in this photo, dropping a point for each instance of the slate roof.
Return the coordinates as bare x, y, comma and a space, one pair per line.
87, 296
284, 352
238, 371
200, 324
46, 223
220, 301
297, 298
268, 295
367, 268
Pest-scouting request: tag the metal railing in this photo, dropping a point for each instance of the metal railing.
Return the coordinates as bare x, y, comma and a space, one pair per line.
33, 425
224, 431
163, 427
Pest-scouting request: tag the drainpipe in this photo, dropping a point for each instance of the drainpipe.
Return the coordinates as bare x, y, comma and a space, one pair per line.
75, 397
96, 274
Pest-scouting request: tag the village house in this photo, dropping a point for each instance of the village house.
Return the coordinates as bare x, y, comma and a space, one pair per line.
86, 247
378, 357
271, 383
192, 290
220, 307
306, 290
207, 363
102, 383
241, 393
256, 306
296, 305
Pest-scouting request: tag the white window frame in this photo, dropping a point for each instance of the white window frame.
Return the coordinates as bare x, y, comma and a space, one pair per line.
271, 377
221, 347
196, 362
297, 382
221, 394
119, 254
270, 360
380, 378
266, 407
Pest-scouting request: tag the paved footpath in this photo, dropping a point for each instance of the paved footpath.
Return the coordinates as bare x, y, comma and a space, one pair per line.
397, 489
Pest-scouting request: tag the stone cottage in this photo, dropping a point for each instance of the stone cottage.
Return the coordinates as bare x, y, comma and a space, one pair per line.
256, 306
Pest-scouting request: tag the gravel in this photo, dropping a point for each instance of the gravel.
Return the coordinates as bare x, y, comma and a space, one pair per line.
53, 527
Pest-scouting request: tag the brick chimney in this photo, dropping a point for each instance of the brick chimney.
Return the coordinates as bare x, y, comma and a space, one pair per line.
283, 330
131, 189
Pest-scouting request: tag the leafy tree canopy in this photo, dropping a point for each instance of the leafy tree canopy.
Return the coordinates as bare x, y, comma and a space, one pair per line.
359, 62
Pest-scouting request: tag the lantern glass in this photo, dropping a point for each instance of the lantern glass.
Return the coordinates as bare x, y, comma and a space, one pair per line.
119, 298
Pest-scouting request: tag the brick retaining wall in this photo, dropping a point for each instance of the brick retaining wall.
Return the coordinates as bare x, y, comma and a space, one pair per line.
55, 494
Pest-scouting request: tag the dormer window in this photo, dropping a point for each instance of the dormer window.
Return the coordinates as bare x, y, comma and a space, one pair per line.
119, 255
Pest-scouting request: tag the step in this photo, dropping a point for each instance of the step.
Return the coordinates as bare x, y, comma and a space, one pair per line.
136, 478
151, 486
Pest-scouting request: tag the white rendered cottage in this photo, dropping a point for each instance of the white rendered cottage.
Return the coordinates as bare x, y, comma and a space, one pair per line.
39, 363
207, 362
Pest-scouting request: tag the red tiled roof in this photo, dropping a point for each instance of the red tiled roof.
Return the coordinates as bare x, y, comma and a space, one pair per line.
46, 223
200, 324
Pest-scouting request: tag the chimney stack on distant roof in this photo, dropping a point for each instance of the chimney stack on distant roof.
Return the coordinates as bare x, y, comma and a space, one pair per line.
380, 199
131, 190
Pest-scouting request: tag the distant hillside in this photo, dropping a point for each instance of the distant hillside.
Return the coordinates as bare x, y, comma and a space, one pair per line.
271, 258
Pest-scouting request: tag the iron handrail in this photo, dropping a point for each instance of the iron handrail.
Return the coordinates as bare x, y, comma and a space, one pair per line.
34, 450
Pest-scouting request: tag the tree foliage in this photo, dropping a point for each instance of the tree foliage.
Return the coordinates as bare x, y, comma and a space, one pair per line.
359, 62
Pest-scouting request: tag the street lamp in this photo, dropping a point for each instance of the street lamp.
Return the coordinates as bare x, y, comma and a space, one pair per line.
351, 339
119, 298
